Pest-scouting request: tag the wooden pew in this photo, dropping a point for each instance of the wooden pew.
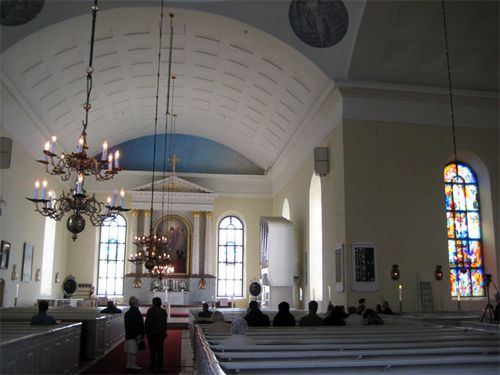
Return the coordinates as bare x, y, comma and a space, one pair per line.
28, 349
400, 347
100, 332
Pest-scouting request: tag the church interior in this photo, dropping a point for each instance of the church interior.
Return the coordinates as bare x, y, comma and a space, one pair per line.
272, 150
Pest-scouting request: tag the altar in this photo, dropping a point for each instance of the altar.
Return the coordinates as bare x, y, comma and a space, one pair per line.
173, 291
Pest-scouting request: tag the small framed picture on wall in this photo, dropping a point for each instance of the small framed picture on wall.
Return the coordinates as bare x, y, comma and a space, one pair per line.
364, 267
27, 269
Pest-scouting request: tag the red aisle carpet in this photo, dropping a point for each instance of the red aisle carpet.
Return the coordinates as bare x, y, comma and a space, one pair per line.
114, 362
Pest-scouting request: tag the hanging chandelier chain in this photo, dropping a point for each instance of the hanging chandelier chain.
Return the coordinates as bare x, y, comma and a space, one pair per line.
156, 121
450, 89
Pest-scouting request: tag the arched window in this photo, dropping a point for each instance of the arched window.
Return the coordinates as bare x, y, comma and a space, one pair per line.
285, 212
315, 241
230, 258
111, 257
464, 231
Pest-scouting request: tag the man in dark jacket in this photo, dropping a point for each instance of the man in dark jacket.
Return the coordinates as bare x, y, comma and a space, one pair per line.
42, 318
312, 319
255, 317
283, 317
156, 329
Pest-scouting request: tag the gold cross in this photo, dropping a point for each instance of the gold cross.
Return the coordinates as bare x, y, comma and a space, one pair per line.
173, 161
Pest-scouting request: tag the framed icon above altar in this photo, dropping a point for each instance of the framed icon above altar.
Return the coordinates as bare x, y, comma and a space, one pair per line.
177, 229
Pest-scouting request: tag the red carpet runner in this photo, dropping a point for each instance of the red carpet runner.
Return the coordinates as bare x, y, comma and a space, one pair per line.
114, 362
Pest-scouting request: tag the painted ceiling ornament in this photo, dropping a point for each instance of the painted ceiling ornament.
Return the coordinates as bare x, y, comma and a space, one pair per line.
319, 23
19, 12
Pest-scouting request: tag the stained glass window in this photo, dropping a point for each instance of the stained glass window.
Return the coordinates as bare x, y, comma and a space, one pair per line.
463, 220
230, 258
111, 264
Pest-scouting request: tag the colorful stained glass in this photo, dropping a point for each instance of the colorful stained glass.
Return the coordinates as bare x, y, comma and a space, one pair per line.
450, 224
453, 282
475, 254
477, 283
449, 198
463, 223
460, 225
466, 173
452, 253
472, 197
464, 283
459, 197
473, 225
449, 172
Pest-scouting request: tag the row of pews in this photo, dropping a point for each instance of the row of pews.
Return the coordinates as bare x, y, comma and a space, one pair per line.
27, 349
400, 347
97, 335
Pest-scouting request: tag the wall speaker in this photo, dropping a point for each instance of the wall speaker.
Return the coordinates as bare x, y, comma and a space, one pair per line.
321, 164
5, 152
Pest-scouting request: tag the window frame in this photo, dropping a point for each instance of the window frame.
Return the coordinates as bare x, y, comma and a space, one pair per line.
105, 225
456, 266
239, 293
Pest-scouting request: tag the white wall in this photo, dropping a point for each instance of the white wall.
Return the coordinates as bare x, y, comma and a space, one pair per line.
19, 224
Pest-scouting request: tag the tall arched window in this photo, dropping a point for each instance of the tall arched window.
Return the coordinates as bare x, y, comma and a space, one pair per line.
111, 264
465, 252
315, 240
230, 258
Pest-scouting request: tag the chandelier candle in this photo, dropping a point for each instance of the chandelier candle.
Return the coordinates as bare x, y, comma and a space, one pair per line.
35, 192
44, 189
104, 154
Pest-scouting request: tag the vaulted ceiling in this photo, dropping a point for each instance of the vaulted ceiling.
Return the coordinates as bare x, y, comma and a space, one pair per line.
244, 78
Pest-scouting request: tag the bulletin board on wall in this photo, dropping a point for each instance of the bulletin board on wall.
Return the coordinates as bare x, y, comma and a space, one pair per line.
364, 267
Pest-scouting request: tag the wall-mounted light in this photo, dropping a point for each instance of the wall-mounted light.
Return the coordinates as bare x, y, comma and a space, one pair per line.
202, 284
395, 272
438, 273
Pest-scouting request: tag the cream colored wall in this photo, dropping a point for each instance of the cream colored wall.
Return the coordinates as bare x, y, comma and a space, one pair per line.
332, 190
394, 198
19, 224
249, 210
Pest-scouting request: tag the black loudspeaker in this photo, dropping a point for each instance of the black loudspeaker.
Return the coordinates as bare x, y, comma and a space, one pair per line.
5, 152
321, 165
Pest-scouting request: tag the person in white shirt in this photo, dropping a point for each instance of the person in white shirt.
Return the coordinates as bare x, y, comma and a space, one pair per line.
354, 319
238, 336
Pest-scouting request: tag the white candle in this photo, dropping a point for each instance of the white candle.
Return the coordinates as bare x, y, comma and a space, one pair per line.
104, 155
110, 162
108, 200
122, 198
117, 159
46, 148
49, 203
400, 287
35, 192
79, 184
80, 145
329, 293
17, 290
113, 200
44, 188
53, 144
458, 294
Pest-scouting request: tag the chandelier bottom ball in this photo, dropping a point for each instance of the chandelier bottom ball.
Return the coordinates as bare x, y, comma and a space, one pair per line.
75, 224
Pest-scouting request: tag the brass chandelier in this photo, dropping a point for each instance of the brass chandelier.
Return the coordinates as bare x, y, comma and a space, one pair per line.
79, 165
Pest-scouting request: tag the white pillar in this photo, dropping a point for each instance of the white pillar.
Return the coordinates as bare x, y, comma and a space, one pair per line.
208, 243
195, 254
132, 229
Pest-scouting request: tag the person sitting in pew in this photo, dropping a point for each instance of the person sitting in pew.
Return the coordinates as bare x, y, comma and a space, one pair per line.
205, 313
238, 336
370, 317
361, 306
255, 317
219, 325
386, 309
283, 318
353, 319
111, 309
42, 318
312, 319
336, 317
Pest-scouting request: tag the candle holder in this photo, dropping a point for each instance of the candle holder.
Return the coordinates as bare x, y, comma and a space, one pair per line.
395, 272
438, 273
